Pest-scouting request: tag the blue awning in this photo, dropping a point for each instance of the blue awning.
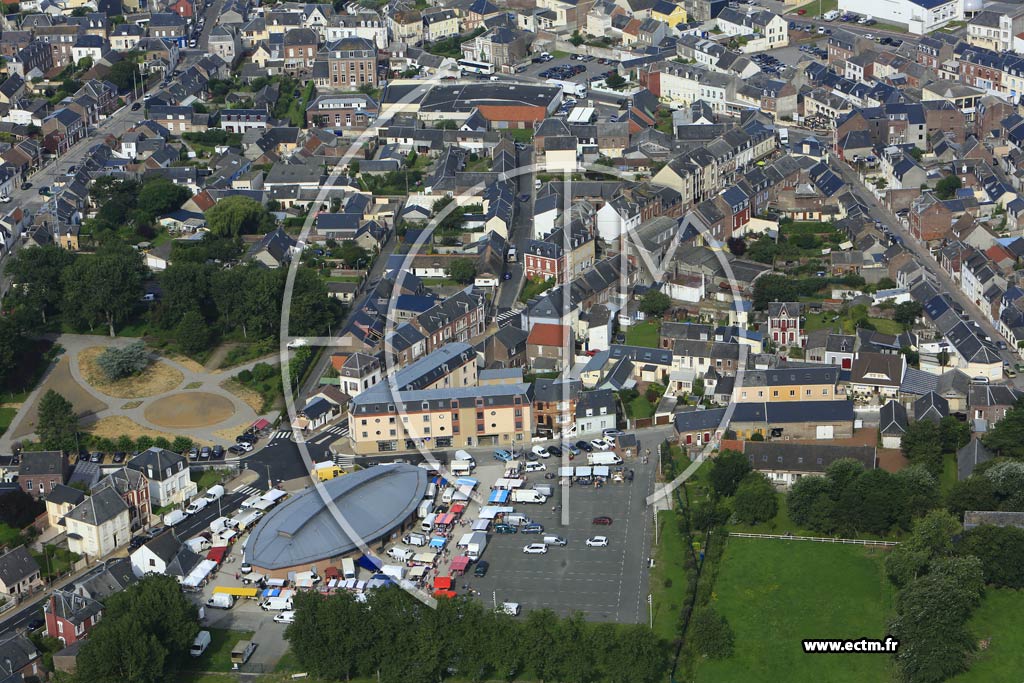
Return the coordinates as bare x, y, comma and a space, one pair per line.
498, 496
369, 563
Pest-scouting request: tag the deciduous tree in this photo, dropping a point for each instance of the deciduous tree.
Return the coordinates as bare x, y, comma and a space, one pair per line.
727, 471
57, 424
755, 500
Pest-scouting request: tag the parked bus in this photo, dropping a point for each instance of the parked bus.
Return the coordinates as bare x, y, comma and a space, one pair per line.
473, 67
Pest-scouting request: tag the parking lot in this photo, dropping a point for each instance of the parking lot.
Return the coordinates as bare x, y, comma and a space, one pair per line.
608, 584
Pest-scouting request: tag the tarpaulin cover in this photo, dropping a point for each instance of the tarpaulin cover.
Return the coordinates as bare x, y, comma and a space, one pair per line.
260, 424
446, 519
498, 496
566, 471
442, 582
466, 481
481, 524
217, 554
460, 563
601, 470
437, 542
583, 471
369, 563
458, 509
444, 594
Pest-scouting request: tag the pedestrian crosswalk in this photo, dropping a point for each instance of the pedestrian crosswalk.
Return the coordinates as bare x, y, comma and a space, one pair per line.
338, 430
247, 490
505, 318
281, 434
344, 461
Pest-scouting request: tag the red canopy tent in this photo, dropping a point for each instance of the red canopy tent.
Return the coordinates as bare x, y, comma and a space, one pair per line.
445, 594
332, 573
460, 564
260, 424
458, 508
442, 583
217, 554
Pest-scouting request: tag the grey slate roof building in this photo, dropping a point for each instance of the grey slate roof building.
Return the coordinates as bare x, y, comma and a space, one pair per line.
804, 457
931, 407
112, 577
99, 508
970, 456
302, 531
892, 419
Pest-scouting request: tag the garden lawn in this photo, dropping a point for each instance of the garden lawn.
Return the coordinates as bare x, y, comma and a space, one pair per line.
668, 579
997, 620
218, 656
645, 334
776, 593
640, 407
817, 321
6, 417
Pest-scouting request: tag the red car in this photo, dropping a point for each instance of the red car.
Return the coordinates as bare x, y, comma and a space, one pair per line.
603, 521
592, 352
801, 12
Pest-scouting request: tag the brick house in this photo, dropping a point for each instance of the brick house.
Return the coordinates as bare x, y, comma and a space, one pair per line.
352, 62
62, 129
554, 404
69, 616
548, 341
41, 471
299, 50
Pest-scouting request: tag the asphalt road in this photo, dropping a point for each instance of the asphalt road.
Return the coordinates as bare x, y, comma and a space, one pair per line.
280, 460
521, 233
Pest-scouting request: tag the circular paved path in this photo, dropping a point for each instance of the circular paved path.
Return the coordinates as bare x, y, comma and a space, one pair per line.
233, 410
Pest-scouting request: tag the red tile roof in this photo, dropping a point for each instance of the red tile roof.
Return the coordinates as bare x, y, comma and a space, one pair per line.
546, 334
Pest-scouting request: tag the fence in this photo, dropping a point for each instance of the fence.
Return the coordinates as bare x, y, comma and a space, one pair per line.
790, 537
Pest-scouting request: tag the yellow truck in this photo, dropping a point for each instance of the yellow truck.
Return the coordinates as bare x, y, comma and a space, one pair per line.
325, 471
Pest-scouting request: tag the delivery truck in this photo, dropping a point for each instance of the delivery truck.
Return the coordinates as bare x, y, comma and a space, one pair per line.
214, 493
569, 88
218, 525
174, 517
475, 546
221, 601
604, 459
528, 496
278, 604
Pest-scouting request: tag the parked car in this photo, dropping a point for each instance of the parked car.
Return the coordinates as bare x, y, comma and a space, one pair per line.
533, 529
119, 456
535, 549
245, 446
481, 568
204, 453
597, 542
613, 433
539, 450
555, 451
584, 446
601, 445
502, 455
217, 453
96, 457
603, 521
505, 529
236, 450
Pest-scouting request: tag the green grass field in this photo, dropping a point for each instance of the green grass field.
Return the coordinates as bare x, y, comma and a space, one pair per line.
6, 417
645, 334
776, 593
998, 621
218, 656
817, 321
668, 582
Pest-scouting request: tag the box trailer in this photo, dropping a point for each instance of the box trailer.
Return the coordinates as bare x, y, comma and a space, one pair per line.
241, 652
476, 544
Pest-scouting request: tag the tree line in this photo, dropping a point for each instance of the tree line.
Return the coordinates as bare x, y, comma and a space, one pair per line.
394, 637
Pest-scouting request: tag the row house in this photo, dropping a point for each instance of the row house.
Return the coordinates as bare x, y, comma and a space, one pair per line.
177, 120
367, 25
244, 120
458, 318
32, 61
352, 111
555, 258
299, 50
498, 415
62, 129
61, 40
440, 24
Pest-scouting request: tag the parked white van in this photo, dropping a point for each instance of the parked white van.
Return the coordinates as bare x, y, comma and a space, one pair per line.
200, 644
348, 568
428, 522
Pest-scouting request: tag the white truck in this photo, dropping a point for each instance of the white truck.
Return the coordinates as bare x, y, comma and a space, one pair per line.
278, 604
214, 493
218, 525
221, 601
528, 496
174, 517
460, 468
475, 546
603, 459
198, 545
569, 88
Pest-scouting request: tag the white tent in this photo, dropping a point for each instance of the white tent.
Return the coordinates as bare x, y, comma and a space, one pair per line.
198, 574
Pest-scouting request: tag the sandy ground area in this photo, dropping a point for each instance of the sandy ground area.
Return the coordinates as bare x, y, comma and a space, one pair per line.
61, 381
158, 378
113, 427
187, 410
252, 398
